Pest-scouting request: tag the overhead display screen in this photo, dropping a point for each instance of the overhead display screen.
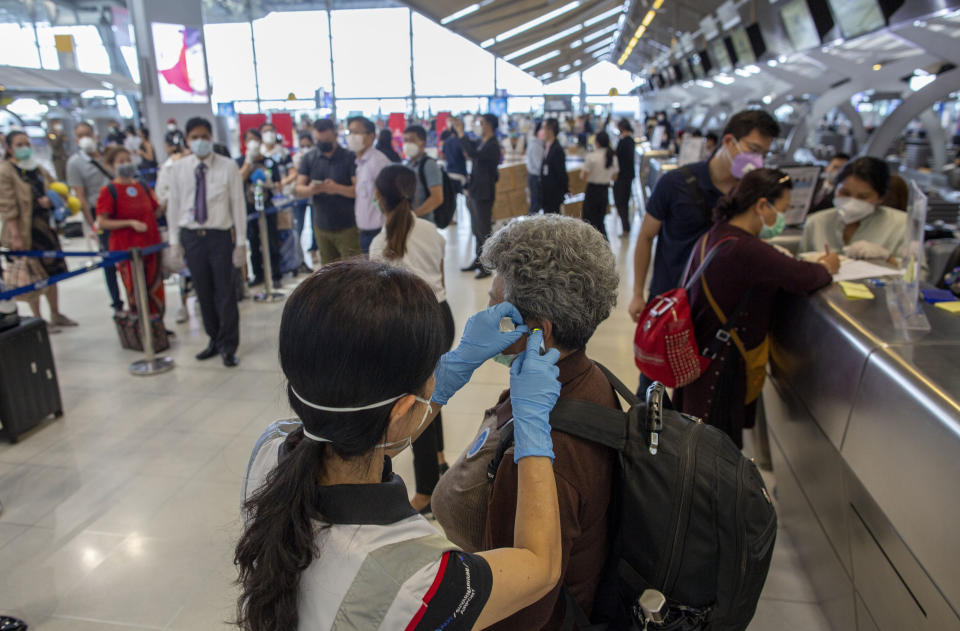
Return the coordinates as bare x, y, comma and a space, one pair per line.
742, 46
800, 26
181, 71
718, 51
857, 17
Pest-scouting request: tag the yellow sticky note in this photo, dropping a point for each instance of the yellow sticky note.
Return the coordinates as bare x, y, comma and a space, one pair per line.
953, 306
856, 291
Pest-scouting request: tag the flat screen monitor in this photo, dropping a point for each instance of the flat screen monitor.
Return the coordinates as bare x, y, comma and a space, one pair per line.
742, 47
804, 180
801, 29
720, 55
181, 69
857, 17
705, 62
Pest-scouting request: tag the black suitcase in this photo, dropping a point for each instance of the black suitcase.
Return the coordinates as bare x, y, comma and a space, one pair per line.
29, 392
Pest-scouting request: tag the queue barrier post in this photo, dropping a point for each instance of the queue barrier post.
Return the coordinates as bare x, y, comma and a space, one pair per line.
150, 364
268, 294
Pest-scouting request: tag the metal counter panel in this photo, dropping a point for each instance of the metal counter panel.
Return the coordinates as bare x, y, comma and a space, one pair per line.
903, 445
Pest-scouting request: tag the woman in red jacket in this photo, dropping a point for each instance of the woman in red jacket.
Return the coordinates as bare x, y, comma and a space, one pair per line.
128, 210
725, 395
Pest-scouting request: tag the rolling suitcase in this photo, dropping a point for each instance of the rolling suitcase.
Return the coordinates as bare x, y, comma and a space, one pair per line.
29, 392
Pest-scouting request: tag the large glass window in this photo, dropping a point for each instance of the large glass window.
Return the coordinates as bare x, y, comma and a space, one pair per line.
448, 64
293, 53
230, 61
19, 47
605, 75
516, 81
371, 52
87, 45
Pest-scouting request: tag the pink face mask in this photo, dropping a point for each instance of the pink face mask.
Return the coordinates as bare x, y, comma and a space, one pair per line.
744, 162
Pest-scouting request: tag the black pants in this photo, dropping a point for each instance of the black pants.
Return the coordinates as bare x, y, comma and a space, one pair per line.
552, 203
209, 256
110, 274
533, 183
481, 220
256, 251
426, 469
595, 204
621, 197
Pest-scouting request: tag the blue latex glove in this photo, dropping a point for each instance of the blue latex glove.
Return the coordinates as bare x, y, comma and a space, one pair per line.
481, 340
534, 390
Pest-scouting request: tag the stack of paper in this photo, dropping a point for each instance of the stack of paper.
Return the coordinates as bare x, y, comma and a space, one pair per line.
858, 270
855, 291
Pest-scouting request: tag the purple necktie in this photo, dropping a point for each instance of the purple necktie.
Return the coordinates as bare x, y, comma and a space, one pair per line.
200, 200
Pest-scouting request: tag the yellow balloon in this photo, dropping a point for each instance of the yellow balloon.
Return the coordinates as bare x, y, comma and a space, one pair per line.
60, 189
73, 204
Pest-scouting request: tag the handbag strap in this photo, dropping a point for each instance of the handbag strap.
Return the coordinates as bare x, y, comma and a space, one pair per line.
726, 332
704, 262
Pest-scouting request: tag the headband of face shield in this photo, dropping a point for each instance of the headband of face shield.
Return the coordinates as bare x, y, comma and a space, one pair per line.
397, 444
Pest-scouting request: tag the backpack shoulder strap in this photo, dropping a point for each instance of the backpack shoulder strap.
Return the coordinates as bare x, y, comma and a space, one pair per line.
421, 171
113, 192
693, 187
705, 262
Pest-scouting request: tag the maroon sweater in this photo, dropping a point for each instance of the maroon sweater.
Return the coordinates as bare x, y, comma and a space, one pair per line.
738, 266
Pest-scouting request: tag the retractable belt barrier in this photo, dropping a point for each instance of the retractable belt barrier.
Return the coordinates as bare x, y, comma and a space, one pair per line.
109, 258
280, 202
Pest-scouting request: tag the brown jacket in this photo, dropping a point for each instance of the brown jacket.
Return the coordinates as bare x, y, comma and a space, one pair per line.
16, 204
584, 473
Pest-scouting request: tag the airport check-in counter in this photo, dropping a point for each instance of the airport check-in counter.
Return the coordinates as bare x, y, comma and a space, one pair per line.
864, 429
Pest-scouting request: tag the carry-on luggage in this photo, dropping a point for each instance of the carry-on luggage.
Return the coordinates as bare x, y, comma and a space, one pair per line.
693, 525
131, 334
29, 392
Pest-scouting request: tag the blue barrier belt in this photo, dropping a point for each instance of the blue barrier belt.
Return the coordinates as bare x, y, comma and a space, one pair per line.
109, 258
289, 203
52, 254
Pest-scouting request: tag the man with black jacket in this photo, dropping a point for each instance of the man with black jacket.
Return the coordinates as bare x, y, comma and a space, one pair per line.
554, 182
626, 151
481, 191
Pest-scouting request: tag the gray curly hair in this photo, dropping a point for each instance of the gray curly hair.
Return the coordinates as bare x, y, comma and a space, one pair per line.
558, 269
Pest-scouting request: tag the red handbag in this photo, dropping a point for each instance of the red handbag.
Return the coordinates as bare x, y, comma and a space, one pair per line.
665, 345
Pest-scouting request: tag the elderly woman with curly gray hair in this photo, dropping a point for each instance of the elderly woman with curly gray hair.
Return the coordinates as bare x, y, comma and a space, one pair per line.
561, 276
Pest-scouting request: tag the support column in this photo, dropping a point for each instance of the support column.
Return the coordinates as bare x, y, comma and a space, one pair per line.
583, 94
143, 13
413, 82
333, 79
253, 49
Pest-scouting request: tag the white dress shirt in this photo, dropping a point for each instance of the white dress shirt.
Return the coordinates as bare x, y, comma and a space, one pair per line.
226, 206
424, 256
595, 166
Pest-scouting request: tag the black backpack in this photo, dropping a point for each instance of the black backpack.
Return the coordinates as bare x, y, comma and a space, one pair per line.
442, 214
692, 525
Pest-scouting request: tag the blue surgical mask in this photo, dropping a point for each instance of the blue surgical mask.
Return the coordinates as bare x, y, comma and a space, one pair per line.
505, 359
23, 153
768, 232
201, 147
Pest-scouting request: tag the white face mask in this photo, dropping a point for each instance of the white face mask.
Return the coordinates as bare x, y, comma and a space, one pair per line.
171, 127
851, 210
87, 144
253, 147
269, 138
355, 143
411, 150
395, 445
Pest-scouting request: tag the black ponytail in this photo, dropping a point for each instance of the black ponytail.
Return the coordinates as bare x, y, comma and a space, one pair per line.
769, 183
397, 185
602, 140
354, 333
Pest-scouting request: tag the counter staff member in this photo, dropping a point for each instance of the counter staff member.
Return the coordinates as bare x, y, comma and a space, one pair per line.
746, 274
207, 215
678, 212
482, 189
858, 225
353, 552
554, 180
622, 187
329, 174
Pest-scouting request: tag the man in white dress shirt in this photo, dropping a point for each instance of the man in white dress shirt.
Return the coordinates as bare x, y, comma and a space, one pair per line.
206, 213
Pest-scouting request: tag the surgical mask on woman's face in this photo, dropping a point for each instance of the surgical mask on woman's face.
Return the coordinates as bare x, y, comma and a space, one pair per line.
744, 162
505, 359
125, 170
171, 127
132, 143
22, 154
406, 442
269, 138
201, 147
851, 210
253, 147
87, 144
355, 143
411, 149
768, 232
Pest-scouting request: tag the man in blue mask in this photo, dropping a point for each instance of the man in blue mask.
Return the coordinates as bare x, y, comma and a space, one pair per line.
207, 216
